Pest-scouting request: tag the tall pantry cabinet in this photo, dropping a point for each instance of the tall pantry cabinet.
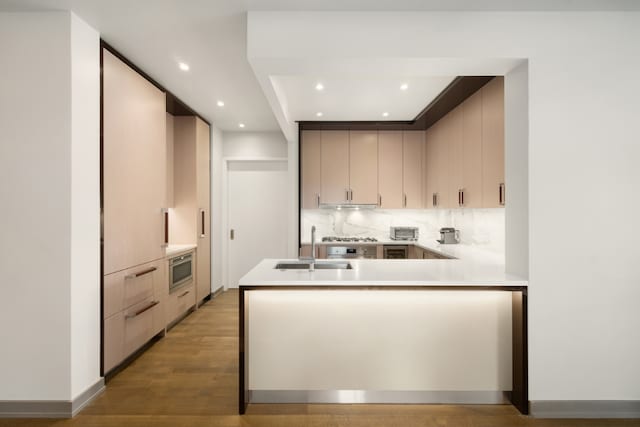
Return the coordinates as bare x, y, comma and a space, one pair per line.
134, 207
190, 216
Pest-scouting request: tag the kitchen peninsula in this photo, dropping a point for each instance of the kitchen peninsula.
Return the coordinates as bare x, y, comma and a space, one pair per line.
383, 331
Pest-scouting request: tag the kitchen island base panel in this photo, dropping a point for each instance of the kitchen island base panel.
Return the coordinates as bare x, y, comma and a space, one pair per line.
478, 397
379, 340
508, 366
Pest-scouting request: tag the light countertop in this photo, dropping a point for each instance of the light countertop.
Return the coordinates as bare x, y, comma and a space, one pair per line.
368, 272
172, 250
460, 251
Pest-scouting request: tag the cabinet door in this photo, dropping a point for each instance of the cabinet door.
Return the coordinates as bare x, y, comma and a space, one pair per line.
446, 198
203, 253
134, 160
430, 162
310, 169
454, 147
472, 151
413, 142
334, 166
363, 167
390, 159
493, 143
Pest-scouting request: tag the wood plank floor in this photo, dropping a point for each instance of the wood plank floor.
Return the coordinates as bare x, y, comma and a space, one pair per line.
189, 378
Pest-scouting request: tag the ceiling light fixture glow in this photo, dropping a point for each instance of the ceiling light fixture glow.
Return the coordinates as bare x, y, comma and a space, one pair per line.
385, 114
319, 114
404, 86
220, 103
319, 86
241, 125
183, 66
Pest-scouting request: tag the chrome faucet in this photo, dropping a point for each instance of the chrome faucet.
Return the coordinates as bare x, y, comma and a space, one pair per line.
312, 258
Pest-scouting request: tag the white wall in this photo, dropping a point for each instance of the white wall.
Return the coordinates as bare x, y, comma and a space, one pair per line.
85, 206
254, 144
583, 131
49, 140
216, 208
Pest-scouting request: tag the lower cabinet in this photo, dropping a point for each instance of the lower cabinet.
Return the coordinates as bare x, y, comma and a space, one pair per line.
134, 304
180, 301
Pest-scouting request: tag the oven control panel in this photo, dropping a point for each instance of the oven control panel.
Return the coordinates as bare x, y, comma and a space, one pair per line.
352, 251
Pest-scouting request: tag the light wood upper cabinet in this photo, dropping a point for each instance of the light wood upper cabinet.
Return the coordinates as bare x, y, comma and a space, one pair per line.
471, 162
413, 145
464, 153
203, 180
493, 144
134, 159
455, 150
310, 169
363, 167
390, 158
436, 163
334, 166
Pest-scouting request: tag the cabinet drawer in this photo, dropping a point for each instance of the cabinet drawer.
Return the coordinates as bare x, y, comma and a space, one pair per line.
132, 286
138, 324
127, 331
180, 301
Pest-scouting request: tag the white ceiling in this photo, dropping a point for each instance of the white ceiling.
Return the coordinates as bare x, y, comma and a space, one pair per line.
210, 35
364, 97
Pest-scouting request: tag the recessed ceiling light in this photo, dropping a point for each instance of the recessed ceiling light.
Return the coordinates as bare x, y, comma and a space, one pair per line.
404, 86
385, 114
183, 66
241, 125
220, 103
319, 86
319, 114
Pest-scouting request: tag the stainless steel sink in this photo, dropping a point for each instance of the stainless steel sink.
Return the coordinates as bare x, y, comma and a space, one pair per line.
333, 266
292, 266
317, 266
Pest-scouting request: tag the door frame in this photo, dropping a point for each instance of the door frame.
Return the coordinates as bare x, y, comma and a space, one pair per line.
224, 234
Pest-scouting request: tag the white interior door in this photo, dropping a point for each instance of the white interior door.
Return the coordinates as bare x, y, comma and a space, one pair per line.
257, 214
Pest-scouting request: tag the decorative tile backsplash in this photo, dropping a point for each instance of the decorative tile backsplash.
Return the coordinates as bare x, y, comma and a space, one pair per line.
478, 227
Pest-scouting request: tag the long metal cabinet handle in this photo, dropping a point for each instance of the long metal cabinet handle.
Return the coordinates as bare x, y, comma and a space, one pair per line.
142, 310
202, 231
140, 273
317, 200
379, 200
462, 196
351, 195
232, 234
185, 293
165, 219
502, 193
346, 190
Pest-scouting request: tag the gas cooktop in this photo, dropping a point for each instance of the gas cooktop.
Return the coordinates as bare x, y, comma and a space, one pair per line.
348, 239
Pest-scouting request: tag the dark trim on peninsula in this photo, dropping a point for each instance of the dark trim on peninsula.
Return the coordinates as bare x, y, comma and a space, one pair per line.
519, 330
